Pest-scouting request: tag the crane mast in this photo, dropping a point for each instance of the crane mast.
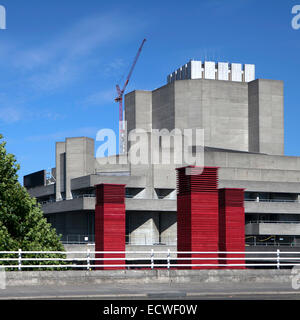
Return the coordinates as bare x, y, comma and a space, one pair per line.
119, 99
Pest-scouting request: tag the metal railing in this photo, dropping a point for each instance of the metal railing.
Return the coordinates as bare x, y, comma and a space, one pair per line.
147, 259
271, 244
138, 240
270, 221
273, 200
78, 239
81, 196
149, 240
48, 201
129, 196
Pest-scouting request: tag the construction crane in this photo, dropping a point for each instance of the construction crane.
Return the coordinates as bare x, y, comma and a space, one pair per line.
119, 99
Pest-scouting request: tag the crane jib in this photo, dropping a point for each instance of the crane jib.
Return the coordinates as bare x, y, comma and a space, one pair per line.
121, 92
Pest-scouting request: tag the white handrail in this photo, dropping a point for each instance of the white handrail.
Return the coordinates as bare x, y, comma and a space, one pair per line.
152, 256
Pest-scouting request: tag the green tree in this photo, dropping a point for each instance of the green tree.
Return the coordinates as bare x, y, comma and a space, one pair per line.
22, 223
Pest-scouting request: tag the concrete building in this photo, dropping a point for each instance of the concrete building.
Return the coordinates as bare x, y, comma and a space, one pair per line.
243, 122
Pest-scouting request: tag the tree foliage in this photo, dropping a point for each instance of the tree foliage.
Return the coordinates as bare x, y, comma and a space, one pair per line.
22, 223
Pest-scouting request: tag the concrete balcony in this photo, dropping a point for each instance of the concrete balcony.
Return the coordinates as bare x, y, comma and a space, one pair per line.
88, 203
78, 204
42, 191
167, 205
269, 228
151, 205
288, 207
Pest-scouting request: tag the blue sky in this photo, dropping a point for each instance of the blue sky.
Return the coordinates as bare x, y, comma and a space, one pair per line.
60, 61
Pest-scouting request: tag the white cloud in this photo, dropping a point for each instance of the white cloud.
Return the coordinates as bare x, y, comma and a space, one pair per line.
17, 113
56, 78
10, 115
79, 40
99, 98
65, 58
115, 68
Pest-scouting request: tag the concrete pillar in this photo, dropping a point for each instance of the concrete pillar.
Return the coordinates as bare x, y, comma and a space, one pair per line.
60, 170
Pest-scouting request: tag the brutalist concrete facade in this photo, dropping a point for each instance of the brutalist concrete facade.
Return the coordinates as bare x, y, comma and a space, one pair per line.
235, 115
244, 136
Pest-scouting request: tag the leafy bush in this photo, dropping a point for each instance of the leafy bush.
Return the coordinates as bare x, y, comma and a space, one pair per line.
22, 223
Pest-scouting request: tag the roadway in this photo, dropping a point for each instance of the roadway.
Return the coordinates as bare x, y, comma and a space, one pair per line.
183, 291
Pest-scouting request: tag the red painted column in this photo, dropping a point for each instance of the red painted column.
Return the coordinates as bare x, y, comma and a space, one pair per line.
198, 215
232, 225
110, 223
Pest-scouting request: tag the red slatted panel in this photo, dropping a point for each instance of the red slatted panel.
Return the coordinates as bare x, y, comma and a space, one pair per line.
232, 224
110, 222
195, 179
197, 214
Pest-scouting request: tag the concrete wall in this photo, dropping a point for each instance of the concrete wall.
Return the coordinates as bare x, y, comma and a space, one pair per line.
163, 108
235, 115
266, 116
220, 107
224, 113
138, 111
78, 204
43, 191
130, 106
59, 278
148, 227
143, 227
254, 172
284, 229
273, 207
79, 160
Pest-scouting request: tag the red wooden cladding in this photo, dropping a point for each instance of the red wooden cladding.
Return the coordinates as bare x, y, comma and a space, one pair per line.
197, 215
208, 219
232, 225
190, 181
110, 223
110, 193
